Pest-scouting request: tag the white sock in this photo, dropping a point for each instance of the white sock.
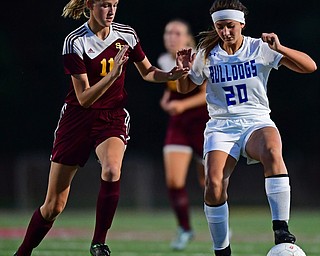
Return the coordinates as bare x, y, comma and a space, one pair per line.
278, 194
218, 222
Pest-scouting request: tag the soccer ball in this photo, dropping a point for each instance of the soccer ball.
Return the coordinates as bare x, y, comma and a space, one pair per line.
286, 249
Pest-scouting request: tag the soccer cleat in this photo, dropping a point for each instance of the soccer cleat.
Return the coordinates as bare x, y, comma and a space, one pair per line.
283, 236
224, 252
182, 239
100, 250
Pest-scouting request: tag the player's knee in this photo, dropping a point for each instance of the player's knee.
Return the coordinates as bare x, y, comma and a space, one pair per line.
111, 171
214, 183
271, 155
215, 199
52, 210
57, 209
175, 183
215, 192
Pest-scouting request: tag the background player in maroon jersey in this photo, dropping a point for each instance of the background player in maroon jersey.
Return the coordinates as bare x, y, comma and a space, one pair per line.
93, 116
184, 135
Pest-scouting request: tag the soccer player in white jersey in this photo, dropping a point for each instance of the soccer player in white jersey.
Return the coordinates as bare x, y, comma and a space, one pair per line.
93, 117
235, 69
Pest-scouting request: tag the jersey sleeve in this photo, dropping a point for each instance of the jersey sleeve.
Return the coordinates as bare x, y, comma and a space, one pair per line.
196, 74
137, 54
129, 35
73, 57
271, 57
73, 64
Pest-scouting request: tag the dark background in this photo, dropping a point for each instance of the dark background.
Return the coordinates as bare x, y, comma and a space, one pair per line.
33, 86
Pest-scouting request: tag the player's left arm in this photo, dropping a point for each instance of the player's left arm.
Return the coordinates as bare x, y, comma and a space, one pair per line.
153, 74
176, 107
196, 100
295, 60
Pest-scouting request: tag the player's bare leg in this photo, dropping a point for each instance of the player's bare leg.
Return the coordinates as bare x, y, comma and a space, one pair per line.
219, 166
176, 168
60, 178
201, 174
265, 145
110, 154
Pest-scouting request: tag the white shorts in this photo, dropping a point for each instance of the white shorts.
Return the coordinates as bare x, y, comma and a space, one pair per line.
231, 135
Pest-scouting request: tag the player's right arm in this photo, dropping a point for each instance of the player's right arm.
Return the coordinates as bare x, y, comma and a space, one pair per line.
165, 100
184, 59
87, 94
185, 85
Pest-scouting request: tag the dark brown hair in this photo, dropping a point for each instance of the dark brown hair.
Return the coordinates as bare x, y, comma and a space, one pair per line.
209, 39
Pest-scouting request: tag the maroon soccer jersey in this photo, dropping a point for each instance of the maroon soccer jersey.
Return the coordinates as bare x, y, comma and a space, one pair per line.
84, 52
186, 128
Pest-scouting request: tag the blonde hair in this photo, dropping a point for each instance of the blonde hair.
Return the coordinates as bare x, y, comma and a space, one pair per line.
75, 9
192, 41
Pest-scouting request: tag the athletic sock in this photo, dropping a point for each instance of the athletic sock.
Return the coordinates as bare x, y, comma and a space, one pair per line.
278, 194
37, 229
180, 204
106, 207
280, 224
218, 222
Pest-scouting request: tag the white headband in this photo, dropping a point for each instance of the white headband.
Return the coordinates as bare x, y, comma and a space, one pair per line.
228, 14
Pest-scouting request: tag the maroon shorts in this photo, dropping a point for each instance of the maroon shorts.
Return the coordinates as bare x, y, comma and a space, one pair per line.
80, 130
187, 129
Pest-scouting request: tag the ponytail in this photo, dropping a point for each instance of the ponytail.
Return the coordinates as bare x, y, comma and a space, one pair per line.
75, 9
209, 39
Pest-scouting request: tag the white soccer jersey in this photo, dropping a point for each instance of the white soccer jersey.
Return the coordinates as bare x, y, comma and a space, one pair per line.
236, 84
166, 62
84, 41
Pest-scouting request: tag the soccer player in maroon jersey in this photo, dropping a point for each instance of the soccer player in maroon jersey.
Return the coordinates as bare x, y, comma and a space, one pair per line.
93, 116
184, 136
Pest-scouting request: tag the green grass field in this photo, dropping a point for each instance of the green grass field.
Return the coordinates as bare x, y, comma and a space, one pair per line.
136, 233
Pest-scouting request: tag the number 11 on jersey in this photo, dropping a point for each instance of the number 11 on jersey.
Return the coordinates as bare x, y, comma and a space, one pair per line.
104, 66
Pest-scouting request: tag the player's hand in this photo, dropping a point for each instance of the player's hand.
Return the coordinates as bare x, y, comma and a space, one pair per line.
272, 40
178, 72
175, 107
119, 60
184, 58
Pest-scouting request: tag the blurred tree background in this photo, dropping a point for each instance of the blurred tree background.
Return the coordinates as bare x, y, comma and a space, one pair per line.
33, 86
